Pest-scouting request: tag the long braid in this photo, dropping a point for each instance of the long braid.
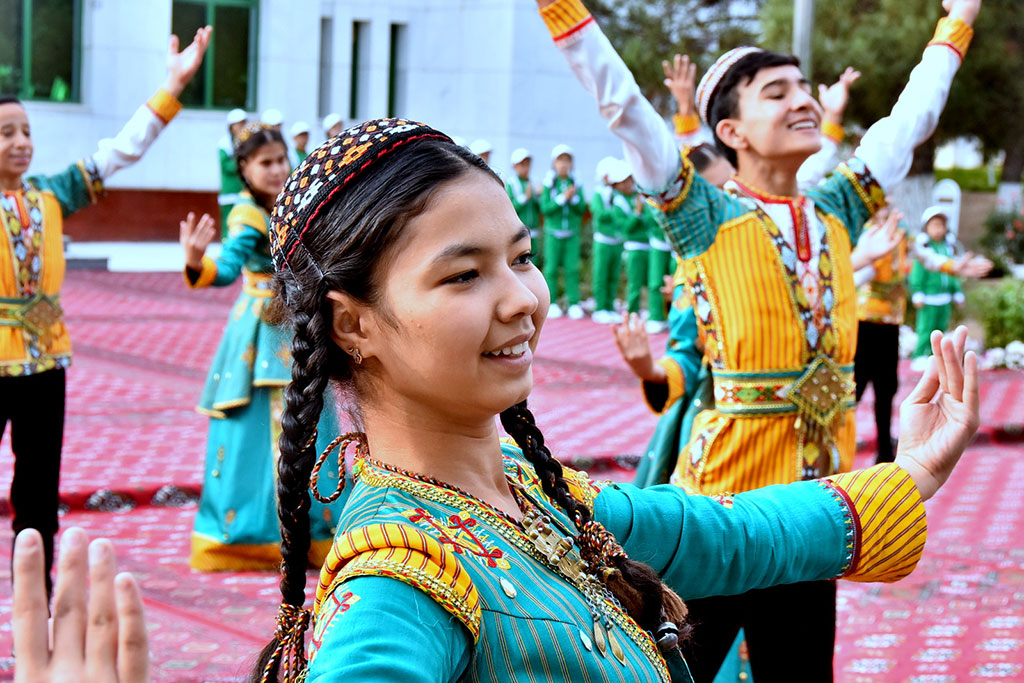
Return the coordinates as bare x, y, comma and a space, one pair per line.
303, 404
635, 585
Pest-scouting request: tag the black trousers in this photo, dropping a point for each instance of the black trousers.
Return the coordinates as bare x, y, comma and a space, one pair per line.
790, 632
876, 362
34, 407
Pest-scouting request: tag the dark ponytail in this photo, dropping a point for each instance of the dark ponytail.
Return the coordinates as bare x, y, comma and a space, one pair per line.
638, 587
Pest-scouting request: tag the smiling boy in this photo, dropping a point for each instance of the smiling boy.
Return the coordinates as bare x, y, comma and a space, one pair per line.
768, 270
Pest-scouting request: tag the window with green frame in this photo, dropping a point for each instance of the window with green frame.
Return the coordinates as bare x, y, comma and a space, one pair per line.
227, 78
40, 42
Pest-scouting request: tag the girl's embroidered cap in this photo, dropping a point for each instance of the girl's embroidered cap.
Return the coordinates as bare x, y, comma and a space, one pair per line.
327, 170
706, 89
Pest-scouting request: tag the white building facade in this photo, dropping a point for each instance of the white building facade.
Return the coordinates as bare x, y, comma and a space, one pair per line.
472, 68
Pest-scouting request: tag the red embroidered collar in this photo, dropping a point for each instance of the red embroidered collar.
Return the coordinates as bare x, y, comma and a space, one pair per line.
796, 210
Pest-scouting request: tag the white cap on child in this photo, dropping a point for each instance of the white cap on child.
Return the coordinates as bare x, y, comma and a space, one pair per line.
618, 170
480, 147
330, 121
298, 128
601, 170
559, 150
272, 117
520, 154
237, 116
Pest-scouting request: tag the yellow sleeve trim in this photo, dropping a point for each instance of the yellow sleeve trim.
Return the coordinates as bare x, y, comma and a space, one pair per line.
947, 267
565, 18
580, 486
405, 553
164, 105
954, 34
833, 131
891, 522
246, 215
685, 125
206, 276
676, 380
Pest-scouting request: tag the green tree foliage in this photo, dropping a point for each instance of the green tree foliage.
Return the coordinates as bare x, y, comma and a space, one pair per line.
884, 38
645, 32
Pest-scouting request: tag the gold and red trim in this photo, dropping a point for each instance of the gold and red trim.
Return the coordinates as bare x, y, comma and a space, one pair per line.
833, 131
686, 125
954, 34
206, 276
165, 105
565, 19
796, 211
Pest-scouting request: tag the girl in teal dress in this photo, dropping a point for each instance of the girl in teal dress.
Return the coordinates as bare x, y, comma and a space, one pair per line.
236, 526
407, 277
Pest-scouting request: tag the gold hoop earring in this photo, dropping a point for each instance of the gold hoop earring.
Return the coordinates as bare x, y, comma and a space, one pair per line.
356, 356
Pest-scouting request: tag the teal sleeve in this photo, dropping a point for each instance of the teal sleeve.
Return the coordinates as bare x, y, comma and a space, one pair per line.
851, 194
694, 210
681, 348
69, 187
703, 546
235, 252
391, 633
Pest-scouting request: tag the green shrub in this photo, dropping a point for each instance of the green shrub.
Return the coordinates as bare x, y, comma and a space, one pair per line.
999, 307
1003, 241
970, 179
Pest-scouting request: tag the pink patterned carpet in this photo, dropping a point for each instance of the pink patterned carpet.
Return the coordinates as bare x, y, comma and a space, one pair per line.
134, 445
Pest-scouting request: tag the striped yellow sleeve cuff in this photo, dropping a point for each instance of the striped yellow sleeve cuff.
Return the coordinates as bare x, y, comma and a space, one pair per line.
676, 380
206, 276
685, 125
833, 131
887, 522
165, 105
566, 19
954, 34
246, 215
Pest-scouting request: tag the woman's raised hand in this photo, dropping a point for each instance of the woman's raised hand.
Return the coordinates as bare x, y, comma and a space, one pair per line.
941, 414
100, 638
195, 237
182, 66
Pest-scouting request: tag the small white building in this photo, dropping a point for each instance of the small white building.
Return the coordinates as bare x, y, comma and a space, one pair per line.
472, 68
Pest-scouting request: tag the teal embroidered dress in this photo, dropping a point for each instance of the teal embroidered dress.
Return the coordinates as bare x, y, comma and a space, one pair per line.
425, 583
237, 527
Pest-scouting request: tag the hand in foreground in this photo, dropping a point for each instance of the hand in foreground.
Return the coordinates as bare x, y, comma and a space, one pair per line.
195, 237
835, 97
182, 66
941, 414
964, 10
973, 266
680, 79
879, 239
102, 639
631, 338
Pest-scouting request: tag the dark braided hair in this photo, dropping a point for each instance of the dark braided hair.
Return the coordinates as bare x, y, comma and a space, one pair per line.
350, 244
252, 138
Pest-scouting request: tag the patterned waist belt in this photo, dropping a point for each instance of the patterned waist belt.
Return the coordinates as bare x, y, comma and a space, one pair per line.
36, 314
818, 392
258, 284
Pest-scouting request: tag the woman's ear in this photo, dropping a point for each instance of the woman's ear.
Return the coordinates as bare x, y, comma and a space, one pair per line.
730, 132
349, 320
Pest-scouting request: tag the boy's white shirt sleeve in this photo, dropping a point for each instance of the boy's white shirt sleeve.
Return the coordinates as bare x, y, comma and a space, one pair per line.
929, 258
818, 164
650, 147
128, 146
887, 148
863, 276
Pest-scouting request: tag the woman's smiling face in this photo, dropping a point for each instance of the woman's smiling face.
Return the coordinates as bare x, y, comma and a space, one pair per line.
464, 305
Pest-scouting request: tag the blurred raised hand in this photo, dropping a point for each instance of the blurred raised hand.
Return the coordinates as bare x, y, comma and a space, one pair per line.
681, 79
182, 66
195, 236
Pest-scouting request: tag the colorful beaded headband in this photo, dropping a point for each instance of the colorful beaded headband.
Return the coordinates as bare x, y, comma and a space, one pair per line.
249, 130
328, 169
706, 89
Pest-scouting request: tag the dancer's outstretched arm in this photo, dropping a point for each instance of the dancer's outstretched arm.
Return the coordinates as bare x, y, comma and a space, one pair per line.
887, 148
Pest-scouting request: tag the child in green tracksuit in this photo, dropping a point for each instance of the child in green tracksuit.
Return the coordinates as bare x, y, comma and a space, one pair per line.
637, 246
230, 184
659, 264
933, 292
563, 204
609, 222
524, 198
